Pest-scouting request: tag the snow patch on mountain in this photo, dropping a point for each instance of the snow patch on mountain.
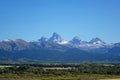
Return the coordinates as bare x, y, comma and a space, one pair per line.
7, 40
63, 42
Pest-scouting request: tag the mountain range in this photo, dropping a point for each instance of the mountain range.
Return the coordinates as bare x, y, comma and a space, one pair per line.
56, 49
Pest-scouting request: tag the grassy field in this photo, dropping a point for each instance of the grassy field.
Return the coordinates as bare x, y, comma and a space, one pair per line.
52, 77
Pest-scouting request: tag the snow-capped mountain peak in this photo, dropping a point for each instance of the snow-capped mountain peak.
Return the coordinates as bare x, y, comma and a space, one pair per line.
96, 41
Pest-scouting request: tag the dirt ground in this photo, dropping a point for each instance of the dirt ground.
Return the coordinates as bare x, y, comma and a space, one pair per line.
109, 79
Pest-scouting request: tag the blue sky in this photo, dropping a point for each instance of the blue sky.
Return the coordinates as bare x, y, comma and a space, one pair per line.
32, 19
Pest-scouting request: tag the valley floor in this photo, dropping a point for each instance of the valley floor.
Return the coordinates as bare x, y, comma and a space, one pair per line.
60, 71
52, 77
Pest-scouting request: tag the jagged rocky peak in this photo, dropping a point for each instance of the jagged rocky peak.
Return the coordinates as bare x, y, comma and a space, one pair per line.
43, 39
55, 38
97, 41
76, 40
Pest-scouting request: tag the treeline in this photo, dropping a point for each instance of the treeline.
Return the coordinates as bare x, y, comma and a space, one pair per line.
70, 69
